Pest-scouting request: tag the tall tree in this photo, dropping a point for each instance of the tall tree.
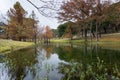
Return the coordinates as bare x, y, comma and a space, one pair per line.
112, 15
34, 26
15, 24
80, 10
98, 13
61, 29
76, 11
19, 26
48, 34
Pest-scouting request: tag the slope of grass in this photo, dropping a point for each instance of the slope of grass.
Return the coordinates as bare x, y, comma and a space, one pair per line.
109, 41
114, 37
7, 45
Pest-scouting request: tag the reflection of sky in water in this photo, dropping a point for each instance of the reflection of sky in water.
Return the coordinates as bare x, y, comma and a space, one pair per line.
47, 67
4, 72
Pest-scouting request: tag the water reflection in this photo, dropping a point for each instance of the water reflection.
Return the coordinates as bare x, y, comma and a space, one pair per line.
48, 67
16, 63
42, 62
26, 64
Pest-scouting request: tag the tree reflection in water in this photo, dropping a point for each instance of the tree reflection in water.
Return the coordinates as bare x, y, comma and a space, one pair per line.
26, 64
43, 62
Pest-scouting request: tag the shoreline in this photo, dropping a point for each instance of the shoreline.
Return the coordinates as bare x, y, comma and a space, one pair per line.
7, 46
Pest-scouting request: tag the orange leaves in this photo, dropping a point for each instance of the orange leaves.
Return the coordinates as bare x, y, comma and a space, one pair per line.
48, 33
20, 27
76, 9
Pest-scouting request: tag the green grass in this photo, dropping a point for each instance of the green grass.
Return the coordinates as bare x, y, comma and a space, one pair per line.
60, 40
113, 37
7, 45
109, 41
92, 71
104, 43
82, 40
66, 40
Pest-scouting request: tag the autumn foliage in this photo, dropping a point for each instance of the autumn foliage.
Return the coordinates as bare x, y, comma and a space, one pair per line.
92, 16
19, 26
48, 34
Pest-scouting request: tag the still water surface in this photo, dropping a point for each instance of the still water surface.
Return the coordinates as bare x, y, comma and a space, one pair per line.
42, 62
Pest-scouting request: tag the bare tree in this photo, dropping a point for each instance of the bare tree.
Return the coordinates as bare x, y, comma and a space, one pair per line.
48, 8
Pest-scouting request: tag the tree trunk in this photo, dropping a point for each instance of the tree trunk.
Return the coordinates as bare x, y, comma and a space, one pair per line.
85, 34
105, 31
82, 33
20, 38
35, 38
91, 32
116, 28
96, 32
99, 31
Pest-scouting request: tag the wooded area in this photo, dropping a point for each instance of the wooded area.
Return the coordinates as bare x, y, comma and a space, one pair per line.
23, 28
79, 19
95, 17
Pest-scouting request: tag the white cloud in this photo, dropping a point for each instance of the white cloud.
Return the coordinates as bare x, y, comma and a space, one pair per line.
5, 5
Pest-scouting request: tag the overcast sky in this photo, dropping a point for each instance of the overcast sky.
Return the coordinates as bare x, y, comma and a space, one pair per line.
5, 5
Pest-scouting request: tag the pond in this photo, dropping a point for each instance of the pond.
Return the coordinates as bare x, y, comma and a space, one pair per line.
61, 61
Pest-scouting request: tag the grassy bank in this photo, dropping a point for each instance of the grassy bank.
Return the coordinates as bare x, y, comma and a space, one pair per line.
113, 45
7, 45
110, 41
113, 37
